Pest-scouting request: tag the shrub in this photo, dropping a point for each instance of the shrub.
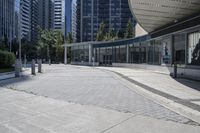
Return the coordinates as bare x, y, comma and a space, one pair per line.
7, 59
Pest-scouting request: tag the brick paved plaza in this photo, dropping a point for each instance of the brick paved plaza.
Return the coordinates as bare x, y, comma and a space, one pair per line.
83, 100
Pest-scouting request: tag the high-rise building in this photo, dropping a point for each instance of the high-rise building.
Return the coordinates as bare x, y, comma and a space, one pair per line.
74, 25
29, 19
68, 15
25, 19
7, 13
90, 13
16, 19
59, 16
34, 20
46, 14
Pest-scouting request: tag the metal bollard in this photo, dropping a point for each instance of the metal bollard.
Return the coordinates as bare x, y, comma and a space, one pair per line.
17, 68
33, 67
175, 70
39, 66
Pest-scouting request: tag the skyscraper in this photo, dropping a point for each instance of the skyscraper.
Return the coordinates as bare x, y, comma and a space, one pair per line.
7, 13
74, 25
90, 13
46, 14
34, 20
59, 16
68, 14
25, 19
29, 19
16, 19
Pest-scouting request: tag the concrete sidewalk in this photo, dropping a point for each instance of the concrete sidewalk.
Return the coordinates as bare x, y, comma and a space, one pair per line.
22, 112
180, 95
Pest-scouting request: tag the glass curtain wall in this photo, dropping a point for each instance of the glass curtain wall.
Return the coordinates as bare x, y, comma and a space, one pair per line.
179, 48
194, 48
143, 52
80, 53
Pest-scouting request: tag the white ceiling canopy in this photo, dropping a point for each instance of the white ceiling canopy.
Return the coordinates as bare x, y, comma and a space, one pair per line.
153, 14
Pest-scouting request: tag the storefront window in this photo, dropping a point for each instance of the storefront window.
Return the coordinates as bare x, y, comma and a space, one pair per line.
179, 47
167, 50
80, 53
194, 48
154, 52
123, 54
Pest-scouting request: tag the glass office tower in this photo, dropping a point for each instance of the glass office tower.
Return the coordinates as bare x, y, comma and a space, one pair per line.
90, 13
59, 16
68, 15
7, 19
46, 14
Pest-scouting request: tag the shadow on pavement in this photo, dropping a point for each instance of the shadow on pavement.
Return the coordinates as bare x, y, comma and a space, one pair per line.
14, 80
189, 83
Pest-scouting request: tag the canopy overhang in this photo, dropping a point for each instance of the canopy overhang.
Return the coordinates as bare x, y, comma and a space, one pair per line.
154, 14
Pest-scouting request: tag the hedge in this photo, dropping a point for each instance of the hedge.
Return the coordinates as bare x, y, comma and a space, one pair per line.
7, 59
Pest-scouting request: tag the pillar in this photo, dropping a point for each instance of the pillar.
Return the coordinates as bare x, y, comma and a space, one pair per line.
65, 58
127, 54
90, 53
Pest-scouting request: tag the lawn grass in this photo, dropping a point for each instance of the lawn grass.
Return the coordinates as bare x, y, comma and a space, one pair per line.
3, 70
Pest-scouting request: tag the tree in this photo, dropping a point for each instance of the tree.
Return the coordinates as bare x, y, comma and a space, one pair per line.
15, 46
28, 49
50, 45
129, 30
101, 32
110, 35
4, 43
120, 34
46, 41
69, 38
58, 48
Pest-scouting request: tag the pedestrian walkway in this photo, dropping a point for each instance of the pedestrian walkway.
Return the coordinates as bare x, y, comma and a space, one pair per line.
181, 91
21, 112
73, 99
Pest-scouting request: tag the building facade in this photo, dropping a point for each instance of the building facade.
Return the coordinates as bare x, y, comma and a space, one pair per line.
173, 37
68, 15
46, 14
16, 19
34, 14
59, 16
90, 13
7, 23
25, 19
74, 23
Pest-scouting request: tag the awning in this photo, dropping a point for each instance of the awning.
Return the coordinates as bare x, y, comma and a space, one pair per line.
154, 14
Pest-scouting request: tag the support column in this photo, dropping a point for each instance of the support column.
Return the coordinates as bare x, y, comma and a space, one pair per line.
127, 54
94, 51
65, 58
90, 53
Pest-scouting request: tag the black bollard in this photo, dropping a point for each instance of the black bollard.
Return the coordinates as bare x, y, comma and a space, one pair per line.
175, 70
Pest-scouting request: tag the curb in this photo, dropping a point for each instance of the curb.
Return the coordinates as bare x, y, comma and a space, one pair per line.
166, 102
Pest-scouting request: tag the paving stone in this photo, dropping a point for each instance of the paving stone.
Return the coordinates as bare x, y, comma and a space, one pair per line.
88, 86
